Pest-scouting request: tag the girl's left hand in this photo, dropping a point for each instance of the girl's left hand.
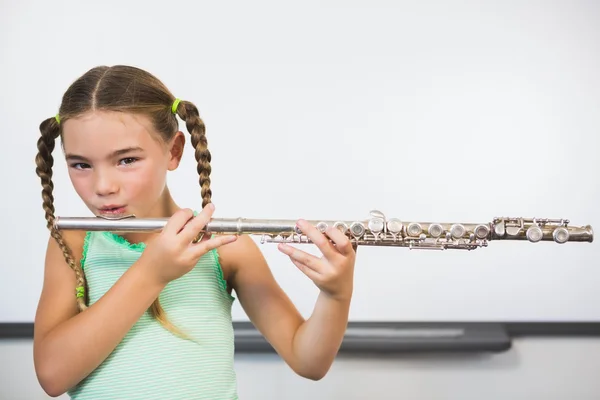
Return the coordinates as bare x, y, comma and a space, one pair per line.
334, 272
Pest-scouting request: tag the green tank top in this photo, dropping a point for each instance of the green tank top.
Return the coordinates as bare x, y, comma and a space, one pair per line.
151, 362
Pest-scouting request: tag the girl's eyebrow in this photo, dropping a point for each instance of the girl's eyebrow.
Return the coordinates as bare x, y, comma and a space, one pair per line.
76, 157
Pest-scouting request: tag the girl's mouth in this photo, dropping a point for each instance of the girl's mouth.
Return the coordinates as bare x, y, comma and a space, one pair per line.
112, 210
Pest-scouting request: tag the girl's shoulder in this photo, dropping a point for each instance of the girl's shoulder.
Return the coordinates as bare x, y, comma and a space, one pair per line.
57, 303
240, 258
75, 241
238, 250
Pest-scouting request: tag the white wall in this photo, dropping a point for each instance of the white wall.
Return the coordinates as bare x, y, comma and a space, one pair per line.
506, 90
428, 111
541, 368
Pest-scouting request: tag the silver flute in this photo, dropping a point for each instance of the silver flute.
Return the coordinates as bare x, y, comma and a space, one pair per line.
376, 230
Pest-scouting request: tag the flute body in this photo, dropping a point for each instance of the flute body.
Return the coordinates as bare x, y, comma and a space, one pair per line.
377, 230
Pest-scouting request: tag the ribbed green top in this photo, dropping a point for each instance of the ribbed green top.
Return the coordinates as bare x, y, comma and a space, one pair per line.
151, 362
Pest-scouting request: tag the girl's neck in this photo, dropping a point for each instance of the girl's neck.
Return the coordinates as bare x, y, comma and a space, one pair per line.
165, 207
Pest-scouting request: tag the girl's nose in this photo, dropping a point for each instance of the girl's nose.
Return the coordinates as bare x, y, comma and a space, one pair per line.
106, 185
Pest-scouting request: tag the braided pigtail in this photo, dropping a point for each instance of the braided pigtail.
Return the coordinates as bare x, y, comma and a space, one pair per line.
50, 130
188, 112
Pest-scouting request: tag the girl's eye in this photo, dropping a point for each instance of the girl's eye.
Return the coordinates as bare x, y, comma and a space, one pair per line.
80, 165
129, 160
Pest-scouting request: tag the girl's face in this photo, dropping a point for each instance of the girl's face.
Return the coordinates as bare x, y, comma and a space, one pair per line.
118, 164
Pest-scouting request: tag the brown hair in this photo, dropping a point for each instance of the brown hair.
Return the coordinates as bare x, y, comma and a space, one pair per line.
124, 89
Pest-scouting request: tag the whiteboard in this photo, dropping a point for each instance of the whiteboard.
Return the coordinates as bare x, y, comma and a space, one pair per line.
428, 111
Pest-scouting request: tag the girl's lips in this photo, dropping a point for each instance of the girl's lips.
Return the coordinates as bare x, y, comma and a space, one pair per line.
112, 210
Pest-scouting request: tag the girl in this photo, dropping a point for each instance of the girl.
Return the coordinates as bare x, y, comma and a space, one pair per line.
150, 316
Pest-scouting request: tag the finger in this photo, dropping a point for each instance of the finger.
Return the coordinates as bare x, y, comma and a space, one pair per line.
209, 244
320, 240
197, 224
310, 273
341, 241
178, 221
300, 256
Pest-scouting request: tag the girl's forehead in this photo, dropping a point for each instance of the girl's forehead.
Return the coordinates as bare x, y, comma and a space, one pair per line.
101, 130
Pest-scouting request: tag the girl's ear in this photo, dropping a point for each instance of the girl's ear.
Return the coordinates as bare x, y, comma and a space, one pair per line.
176, 150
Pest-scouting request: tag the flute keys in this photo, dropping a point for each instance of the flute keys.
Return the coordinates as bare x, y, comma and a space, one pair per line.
357, 229
342, 227
560, 235
435, 230
481, 231
534, 234
322, 227
394, 225
377, 214
500, 228
376, 225
414, 229
457, 231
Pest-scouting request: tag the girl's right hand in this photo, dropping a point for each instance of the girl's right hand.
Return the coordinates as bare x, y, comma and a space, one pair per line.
172, 253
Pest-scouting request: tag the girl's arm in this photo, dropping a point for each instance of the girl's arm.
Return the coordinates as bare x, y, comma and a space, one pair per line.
309, 346
69, 345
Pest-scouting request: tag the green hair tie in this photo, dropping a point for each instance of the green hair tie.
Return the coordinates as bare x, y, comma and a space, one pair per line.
57, 118
175, 105
80, 291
